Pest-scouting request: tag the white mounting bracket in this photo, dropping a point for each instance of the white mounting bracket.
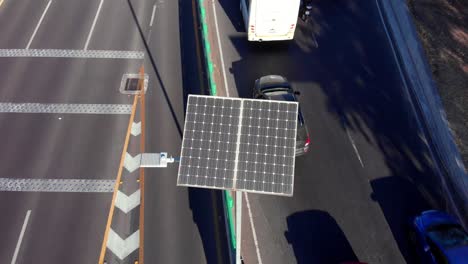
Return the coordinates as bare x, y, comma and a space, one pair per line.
156, 160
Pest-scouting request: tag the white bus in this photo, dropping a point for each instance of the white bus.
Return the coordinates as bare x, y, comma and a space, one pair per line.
268, 20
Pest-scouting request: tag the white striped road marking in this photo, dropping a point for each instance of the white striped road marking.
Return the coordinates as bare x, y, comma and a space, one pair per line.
120, 247
56, 185
136, 129
132, 163
20, 239
38, 24
94, 24
151, 24
81, 54
254, 232
354, 147
152, 15
36, 108
220, 49
127, 203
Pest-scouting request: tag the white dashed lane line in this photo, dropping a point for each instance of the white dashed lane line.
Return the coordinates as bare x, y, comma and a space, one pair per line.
254, 232
38, 24
94, 24
20, 239
354, 147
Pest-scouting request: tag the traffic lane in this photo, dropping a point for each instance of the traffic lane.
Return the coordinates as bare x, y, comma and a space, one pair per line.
116, 28
185, 219
17, 22
59, 146
62, 226
66, 25
15, 206
349, 61
63, 80
367, 92
330, 190
168, 215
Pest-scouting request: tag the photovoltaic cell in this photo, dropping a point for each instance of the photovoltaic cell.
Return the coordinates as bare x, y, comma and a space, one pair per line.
239, 144
209, 144
267, 147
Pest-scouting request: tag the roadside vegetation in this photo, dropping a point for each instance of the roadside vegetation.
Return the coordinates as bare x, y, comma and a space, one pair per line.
443, 28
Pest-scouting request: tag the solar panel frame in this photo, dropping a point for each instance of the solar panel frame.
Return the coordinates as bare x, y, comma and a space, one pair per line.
236, 126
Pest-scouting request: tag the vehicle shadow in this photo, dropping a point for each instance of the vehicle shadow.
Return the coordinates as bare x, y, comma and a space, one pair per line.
400, 201
317, 238
232, 10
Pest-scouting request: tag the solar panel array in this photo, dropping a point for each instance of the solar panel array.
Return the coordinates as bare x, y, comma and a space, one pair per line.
239, 144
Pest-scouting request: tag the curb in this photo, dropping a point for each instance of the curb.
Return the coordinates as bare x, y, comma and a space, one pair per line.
426, 100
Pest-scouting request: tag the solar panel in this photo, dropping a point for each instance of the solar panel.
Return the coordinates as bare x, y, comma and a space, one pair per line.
239, 144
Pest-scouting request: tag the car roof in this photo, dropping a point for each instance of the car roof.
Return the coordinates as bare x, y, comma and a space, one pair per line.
434, 217
457, 255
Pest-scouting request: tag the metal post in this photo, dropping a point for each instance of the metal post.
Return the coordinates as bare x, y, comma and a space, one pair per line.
238, 226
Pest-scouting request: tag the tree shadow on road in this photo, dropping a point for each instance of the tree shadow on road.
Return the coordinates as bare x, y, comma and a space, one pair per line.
354, 74
317, 238
399, 200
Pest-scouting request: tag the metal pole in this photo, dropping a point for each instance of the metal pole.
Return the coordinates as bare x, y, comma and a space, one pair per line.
238, 226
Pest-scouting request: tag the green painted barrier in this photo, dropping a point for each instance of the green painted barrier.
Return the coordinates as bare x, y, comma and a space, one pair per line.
230, 205
207, 50
207, 47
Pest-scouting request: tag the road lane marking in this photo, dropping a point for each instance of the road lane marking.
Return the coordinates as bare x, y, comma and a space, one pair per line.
132, 163
20, 239
56, 185
354, 147
38, 108
81, 54
152, 15
136, 129
38, 24
220, 49
117, 183
254, 232
123, 247
127, 203
94, 24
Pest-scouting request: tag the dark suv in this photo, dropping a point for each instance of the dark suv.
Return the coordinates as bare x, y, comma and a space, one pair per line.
276, 87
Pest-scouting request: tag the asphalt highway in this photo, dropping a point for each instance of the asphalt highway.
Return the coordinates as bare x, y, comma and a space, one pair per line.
62, 226
368, 170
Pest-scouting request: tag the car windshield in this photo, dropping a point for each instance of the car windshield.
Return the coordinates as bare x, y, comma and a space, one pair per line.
280, 94
448, 236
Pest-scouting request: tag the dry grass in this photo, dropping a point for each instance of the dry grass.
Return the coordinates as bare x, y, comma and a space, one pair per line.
443, 28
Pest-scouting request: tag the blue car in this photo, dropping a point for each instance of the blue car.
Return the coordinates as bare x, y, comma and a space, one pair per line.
439, 238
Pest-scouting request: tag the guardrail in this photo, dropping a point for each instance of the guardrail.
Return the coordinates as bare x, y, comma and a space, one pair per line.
428, 104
